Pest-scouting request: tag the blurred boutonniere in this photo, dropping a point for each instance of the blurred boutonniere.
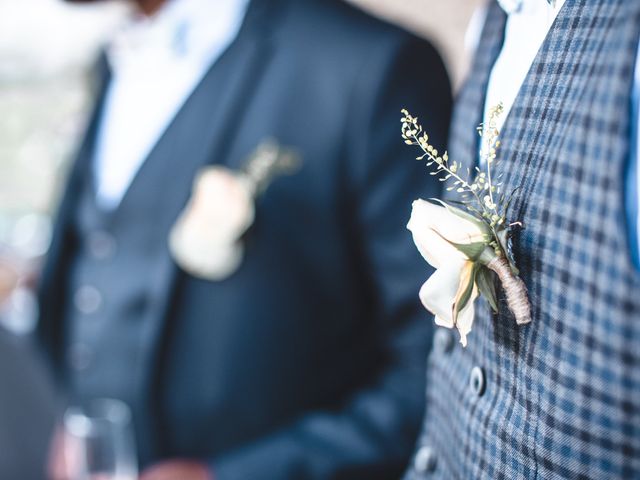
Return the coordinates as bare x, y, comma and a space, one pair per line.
206, 240
467, 242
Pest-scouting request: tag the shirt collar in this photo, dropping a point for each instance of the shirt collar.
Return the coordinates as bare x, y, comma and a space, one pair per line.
513, 6
181, 30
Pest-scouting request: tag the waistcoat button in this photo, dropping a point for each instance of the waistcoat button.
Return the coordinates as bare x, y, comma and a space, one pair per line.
79, 357
101, 245
87, 299
425, 460
477, 381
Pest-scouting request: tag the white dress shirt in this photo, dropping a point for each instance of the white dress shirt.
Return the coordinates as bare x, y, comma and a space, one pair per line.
528, 24
156, 64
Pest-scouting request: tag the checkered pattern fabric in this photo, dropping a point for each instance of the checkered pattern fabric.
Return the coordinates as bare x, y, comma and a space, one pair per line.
562, 395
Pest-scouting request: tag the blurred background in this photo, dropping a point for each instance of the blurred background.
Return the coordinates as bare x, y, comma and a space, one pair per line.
46, 50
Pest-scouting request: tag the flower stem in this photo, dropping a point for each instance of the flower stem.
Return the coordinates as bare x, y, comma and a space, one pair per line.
514, 289
448, 170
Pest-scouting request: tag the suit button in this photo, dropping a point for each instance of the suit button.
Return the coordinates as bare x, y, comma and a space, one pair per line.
425, 460
477, 381
443, 341
87, 300
79, 357
101, 245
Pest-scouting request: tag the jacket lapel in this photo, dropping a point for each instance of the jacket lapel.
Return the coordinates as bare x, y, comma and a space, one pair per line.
551, 107
201, 134
464, 142
51, 294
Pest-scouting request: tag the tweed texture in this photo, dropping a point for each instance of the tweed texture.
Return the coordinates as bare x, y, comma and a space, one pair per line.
562, 395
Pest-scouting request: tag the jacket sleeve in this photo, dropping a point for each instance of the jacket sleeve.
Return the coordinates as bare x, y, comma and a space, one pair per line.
372, 435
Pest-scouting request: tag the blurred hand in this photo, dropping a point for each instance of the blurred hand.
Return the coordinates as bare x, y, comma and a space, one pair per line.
61, 453
65, 456
178, 470
9, 278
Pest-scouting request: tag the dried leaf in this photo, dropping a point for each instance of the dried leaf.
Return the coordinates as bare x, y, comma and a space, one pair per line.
465, 289
485, 280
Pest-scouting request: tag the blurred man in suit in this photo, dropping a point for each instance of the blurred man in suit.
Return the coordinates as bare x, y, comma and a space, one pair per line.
304, 362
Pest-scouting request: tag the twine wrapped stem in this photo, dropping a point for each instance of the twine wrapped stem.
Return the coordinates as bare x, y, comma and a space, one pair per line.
514, 289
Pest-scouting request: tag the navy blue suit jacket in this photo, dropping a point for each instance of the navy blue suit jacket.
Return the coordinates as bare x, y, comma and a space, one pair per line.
308, 362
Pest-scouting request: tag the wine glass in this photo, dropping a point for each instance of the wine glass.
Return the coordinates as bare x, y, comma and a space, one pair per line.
99, 443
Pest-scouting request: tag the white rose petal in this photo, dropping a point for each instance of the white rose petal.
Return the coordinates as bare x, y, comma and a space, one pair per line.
433, 227
204, 260
466, 317
205, 241
431, 224
438, 295
222, 202
439, 292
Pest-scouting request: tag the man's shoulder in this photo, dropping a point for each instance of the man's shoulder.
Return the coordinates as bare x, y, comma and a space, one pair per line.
343, 30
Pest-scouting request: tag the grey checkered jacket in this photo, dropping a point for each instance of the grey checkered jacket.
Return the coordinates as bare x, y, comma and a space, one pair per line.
559, 398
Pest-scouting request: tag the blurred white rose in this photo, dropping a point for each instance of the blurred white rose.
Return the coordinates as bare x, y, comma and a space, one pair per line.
206, 239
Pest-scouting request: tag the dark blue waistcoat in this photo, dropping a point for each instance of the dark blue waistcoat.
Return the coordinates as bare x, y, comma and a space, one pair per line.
559, 398
111, 279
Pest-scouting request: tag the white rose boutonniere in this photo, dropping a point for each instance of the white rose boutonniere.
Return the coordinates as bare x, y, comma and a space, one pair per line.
468, 246
206, 240
451, 291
